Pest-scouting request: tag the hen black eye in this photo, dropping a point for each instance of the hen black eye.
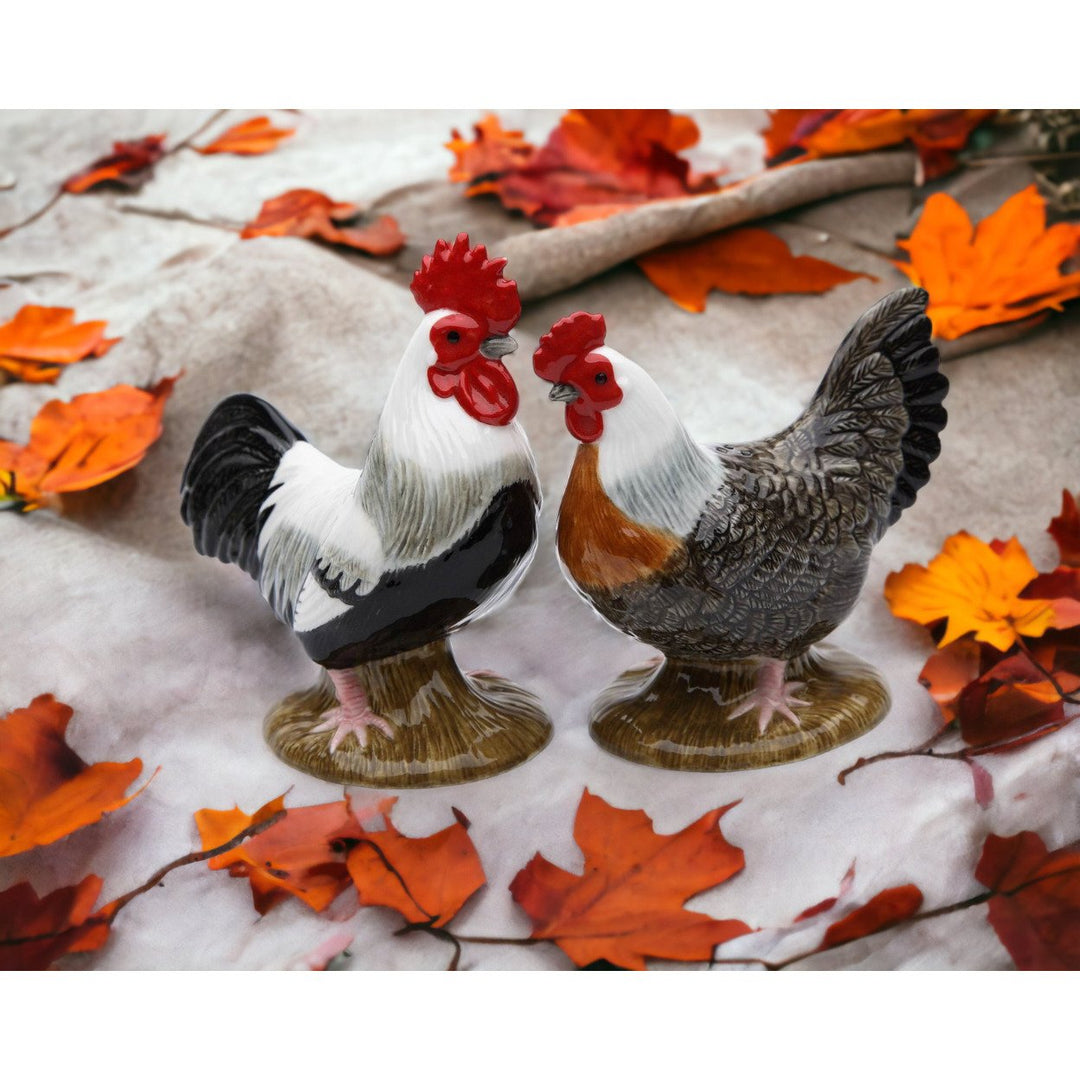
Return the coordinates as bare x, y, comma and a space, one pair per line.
601, 377
453, 337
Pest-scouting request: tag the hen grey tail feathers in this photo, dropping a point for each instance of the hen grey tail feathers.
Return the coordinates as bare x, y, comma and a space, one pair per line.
229, 475
897, 329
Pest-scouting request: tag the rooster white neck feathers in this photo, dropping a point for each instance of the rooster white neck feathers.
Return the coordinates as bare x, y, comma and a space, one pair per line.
649, 464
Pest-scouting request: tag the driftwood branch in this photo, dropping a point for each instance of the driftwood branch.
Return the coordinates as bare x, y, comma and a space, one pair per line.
550, 260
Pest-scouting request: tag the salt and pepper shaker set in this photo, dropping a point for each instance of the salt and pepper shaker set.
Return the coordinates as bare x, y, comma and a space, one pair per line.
734, 561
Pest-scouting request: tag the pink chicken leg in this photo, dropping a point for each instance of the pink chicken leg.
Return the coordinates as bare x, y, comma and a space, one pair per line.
353, 715
771, 695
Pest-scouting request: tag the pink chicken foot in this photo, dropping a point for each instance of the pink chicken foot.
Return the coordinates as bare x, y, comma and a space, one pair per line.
353, 714
771, 695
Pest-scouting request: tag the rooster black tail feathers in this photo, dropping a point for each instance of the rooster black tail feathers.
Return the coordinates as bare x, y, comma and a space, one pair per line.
915, 360
229, 475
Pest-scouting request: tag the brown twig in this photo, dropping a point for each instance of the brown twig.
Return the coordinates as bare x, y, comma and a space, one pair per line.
57, 196
204, 126
921, 916
177, 215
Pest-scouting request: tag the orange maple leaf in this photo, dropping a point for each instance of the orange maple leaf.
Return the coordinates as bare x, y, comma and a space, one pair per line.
627, 905
976, 587
604, 157
36, 931
255, 136
752, 261
81, 443
1035, 911
38, 340
130, 165
297, 856
306, 213
935, 133
46, 790
425, 878
1005, 269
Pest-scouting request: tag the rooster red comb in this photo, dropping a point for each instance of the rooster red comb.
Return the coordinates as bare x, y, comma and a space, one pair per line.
576, 335
464, 279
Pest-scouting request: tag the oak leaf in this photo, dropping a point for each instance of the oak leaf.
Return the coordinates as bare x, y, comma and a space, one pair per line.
602, 157
1065, 529
425, 878
936, 134
38, 340
885, 909
1035, 909
81, 443
628, 903
255, 136
306, 213
297, 856
130, 165
1006, 268
752, 261
36, 931
976, 588
46, 790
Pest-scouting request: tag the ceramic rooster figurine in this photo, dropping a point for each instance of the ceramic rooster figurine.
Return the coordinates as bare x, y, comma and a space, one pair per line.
374, 567
734, 560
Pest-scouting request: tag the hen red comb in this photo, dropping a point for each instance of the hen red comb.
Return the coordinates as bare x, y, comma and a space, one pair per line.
466, 280
576, 335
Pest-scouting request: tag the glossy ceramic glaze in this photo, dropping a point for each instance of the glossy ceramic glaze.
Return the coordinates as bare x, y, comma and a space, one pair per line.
733, 560
372, 568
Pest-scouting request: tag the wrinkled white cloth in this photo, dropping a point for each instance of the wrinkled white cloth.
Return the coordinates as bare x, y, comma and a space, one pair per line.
176, 658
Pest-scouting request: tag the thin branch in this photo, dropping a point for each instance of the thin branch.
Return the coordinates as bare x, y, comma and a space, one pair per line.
177, 215
117, 905
203, 127
57, 196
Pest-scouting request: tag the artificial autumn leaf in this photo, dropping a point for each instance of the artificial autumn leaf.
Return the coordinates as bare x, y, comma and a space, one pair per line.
628, 903
425, 878
975, 587
255, 136
887, 908
1065, 529
935, 133
36, 931
38, 340
46, 790
297, 856
81, 443
130, 165
949, 670
752, 261
593, 157
306, 213
1005, 269
1035, 909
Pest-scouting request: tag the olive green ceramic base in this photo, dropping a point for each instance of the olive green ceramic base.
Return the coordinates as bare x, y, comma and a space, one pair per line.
449, 728
677, 716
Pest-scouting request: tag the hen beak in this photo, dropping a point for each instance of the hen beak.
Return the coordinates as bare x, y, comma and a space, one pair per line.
564, 392
497, 345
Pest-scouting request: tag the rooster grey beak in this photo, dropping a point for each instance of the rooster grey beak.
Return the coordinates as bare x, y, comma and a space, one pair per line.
564, 392
497, 345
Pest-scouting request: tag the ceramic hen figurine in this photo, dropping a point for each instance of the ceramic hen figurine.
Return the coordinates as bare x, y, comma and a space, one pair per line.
374, 567
734, 560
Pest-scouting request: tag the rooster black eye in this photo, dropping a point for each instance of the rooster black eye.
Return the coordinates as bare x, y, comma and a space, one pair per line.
453, 337
601, 377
